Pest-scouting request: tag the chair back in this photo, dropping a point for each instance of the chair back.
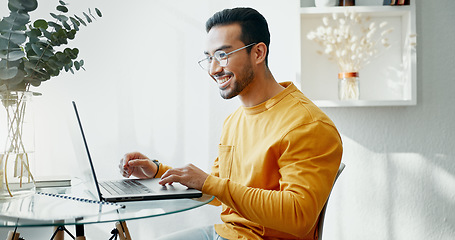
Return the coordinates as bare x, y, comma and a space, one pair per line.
322, 214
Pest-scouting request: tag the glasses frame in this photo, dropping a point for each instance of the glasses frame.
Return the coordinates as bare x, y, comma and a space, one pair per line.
206, 63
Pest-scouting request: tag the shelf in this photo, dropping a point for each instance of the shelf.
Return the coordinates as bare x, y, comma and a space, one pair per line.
390, 78
363, 103
383, 10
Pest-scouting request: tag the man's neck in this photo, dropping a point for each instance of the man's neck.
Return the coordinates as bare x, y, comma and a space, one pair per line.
263, 88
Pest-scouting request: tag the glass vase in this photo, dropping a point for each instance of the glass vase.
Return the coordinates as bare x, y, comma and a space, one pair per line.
17, 132
348, 86
347, 3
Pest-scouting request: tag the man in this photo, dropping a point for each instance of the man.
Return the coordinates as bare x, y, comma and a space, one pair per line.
278, 153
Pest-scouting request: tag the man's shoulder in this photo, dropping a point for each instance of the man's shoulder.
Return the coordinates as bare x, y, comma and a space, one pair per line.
298, 106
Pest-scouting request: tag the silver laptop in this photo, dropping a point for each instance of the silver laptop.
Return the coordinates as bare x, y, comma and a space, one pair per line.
131, 189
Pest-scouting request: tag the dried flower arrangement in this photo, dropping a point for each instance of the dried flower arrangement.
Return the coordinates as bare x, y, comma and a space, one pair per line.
350, 39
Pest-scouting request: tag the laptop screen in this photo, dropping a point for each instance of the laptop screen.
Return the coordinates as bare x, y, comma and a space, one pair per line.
81, 152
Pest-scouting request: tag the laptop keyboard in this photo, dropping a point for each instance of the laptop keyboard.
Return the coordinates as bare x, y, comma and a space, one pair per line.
127, 186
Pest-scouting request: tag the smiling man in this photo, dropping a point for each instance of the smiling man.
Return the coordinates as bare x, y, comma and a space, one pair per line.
278, 153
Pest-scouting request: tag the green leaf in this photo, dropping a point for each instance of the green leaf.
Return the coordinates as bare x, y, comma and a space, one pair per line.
62, 2
41, 23
47, 34
12, 55
71, 34
60, 56
69, 53
98, 12
76, 23
60, 17
33, 33
56, 64
14, 6
80, 20
17, 79
89, 20
77, 65
66, 25
8, 73
55, 25
29, 5
17, 37
17, 19
37, 49
35, 83
62, 8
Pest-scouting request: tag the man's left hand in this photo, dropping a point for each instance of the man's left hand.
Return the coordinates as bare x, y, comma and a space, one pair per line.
190, 176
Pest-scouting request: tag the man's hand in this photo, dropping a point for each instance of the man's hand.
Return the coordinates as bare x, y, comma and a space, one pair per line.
138, 165
190, 176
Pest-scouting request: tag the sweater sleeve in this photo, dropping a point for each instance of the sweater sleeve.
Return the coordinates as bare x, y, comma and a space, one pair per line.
162, 170
309, 156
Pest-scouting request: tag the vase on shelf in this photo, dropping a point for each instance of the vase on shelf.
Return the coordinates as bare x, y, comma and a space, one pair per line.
18, 136
347, 3
324, 3
348, 86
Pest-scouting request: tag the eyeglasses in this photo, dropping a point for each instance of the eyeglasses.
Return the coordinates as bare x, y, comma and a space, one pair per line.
220, 56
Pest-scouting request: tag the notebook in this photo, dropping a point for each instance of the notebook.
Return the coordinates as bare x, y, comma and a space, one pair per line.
137, 189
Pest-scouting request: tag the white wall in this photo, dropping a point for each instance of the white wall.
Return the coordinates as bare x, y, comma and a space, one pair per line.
141, 91
399, 182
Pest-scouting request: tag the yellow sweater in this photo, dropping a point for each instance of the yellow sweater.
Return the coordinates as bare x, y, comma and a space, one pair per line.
276, 166
275, 169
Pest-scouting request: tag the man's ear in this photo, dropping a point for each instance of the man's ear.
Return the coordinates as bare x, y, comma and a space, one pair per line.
259, 52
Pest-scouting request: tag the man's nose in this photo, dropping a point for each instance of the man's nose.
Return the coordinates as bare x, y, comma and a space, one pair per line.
215, 67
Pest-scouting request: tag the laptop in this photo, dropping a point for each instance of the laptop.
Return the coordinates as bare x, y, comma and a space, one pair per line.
123, 190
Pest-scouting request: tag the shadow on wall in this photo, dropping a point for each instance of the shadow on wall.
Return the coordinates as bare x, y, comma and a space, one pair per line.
400, 170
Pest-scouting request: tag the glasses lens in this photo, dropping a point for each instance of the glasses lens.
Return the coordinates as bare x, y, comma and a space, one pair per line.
221, 57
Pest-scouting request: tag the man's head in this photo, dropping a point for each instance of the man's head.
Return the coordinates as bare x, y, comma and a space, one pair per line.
254, 27
237, 50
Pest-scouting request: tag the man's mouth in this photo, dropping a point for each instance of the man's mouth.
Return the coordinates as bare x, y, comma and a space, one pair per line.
223, 81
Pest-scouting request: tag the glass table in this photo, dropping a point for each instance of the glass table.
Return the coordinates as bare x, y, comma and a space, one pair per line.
43, 210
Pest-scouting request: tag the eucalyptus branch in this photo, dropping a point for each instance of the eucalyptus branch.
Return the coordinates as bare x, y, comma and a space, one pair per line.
29, 55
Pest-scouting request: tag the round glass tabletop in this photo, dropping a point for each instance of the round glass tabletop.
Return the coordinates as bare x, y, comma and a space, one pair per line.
46, 210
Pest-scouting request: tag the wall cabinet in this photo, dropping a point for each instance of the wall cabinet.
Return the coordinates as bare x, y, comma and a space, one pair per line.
388, 80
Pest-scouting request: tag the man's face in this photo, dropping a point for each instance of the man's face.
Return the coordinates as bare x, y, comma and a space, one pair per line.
238, 74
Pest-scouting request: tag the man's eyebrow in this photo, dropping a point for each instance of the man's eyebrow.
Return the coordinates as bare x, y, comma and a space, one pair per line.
218, 49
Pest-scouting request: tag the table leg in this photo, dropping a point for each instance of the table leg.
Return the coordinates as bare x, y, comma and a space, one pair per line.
80, 232
12, 235
124, 233
58, 235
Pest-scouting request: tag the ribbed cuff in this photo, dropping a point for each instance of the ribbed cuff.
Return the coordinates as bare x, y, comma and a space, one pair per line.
214, 185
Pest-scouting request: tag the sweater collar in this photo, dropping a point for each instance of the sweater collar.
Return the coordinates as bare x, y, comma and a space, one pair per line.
289, 88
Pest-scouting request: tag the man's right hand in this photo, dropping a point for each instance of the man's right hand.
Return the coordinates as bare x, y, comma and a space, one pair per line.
138, 165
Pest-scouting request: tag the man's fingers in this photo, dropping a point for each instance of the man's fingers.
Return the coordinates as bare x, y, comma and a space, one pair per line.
170, 176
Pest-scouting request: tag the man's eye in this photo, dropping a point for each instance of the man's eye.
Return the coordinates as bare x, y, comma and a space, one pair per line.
220, 55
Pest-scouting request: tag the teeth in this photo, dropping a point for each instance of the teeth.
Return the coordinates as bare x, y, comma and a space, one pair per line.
223, 80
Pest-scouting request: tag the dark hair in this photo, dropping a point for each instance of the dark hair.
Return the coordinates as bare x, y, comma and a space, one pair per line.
254, 26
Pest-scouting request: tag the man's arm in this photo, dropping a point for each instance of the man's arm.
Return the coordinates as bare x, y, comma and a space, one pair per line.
310, 156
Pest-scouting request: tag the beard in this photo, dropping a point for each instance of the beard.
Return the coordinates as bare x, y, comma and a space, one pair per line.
241, 82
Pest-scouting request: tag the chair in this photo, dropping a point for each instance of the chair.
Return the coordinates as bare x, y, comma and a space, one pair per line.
322, 214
